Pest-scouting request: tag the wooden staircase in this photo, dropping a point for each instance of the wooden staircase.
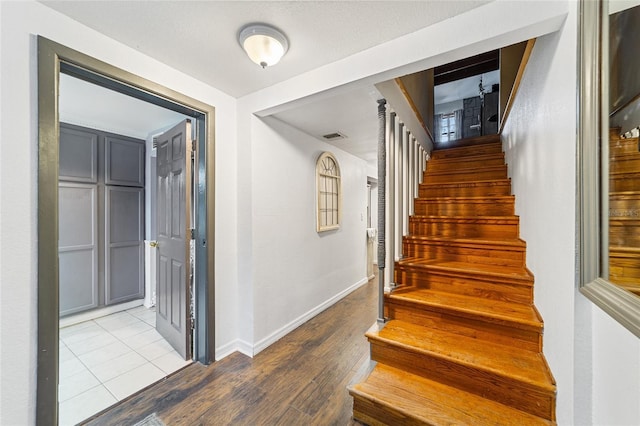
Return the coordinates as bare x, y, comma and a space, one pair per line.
463, 341
624, 211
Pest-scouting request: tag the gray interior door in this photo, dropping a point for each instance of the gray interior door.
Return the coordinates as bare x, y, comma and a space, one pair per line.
173, 165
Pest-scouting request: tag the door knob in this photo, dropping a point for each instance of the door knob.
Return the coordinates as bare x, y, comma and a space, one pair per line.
154, 244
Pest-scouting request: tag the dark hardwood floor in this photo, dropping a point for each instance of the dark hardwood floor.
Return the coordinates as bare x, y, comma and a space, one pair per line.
300, 380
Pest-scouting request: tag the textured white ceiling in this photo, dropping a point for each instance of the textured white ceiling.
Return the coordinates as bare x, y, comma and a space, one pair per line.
353, 114
89, 105
199, 38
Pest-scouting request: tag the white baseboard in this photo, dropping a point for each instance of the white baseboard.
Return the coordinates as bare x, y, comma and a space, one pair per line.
237, 345
278, 334
98, 313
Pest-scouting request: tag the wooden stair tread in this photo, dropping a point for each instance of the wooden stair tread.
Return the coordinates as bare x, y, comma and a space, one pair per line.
485, 182
624, 251
518, 314
470, 199
469, 241
457, 267
455, 171
510, 362
623, 175
465, 144
624, 195
432, 403
464, 219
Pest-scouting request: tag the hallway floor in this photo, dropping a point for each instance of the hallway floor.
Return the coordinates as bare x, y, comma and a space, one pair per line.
107, 359
301, 379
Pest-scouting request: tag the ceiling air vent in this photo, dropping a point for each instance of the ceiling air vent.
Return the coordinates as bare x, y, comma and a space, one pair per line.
334, 136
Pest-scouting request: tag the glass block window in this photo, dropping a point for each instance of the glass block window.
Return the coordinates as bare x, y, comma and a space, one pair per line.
329, 192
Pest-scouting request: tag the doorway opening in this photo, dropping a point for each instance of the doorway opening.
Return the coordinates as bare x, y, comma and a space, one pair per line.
197, 233
111, 343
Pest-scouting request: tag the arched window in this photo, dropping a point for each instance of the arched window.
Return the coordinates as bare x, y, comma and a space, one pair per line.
329, 192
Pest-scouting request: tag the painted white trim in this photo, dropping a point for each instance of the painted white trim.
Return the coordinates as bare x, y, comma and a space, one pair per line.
98, 313
237, 345
278, 334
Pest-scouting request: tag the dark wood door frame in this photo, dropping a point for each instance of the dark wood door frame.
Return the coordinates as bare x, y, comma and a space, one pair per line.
54, 58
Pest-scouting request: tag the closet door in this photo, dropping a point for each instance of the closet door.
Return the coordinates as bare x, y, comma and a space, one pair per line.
78, 247
124, 249
124, 162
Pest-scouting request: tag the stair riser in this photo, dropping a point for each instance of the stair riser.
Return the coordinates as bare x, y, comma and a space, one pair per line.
464, 208
472, 326
505, 390
373, 413
623, 146
465, 163
489, 148
624, 269
508, 229
624, 205
469, 286
624, 233
497, 189
462, 176
624, 183
624, 164
493, 255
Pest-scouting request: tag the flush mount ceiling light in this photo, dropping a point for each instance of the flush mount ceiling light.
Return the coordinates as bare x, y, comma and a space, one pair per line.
264, 44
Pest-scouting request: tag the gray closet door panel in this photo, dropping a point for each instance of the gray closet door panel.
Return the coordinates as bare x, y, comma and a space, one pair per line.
77, 272
78, 155
124, 250
78, 247
124, 162
125, 274
125, 211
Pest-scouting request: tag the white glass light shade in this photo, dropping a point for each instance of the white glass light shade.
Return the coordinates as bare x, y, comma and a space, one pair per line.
264, 45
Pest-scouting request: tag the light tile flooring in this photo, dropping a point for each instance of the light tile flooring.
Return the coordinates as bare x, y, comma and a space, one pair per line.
105, 360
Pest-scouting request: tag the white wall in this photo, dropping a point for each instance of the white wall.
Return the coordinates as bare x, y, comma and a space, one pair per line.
540, 145
20, 23
297, 272
616, 372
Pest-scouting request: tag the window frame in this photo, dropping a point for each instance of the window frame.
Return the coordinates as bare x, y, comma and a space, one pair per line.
321, 178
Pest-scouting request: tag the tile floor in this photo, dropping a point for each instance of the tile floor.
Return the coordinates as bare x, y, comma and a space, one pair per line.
104, 360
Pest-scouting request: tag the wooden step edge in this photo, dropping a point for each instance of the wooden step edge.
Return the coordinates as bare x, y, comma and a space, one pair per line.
546, 385
408, 396
487, 199
466, 311
626, 220
624, 195
469, 184
480, 156
474, 170
624, 251
623, 175
473, 142
510, 219
475, 271
515, 244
